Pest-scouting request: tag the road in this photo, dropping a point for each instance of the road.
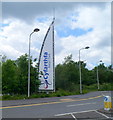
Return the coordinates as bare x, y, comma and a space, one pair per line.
76, 107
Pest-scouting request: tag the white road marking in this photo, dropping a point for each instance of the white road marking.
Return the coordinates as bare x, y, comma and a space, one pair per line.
74, 112
101, 114
73, 116
71, 113
105, 93
80, 104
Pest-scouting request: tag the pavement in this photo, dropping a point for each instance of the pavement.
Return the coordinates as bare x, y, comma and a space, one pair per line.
76, 107
100, 114
107, 112
52, 99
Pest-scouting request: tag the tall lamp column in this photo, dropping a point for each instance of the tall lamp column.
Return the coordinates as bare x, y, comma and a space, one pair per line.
35, 30
98, 84
80, 68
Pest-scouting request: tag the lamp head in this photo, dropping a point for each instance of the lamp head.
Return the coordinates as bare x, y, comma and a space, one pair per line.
36, 30
87, 47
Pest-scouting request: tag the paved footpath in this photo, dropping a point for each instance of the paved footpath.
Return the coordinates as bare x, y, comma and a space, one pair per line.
52, 99
76, 107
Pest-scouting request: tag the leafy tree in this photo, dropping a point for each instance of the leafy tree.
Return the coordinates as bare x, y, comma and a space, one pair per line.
4, 57
67, 74
0, 77
22, 64
9, 77
104, 74
15, 76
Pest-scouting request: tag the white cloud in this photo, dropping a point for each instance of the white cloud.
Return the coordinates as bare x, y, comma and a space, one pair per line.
92, 17
14, 37
10, 51
99, 39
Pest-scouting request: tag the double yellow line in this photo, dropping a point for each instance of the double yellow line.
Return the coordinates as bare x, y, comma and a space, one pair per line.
64, 101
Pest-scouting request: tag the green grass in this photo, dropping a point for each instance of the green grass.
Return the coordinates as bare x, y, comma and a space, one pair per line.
106, 87
103, 87
0, 97
13, 97
60, 92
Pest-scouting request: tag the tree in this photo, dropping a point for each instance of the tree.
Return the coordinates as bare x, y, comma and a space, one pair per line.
22, 63
15, 76
104, 74
9, 77
67, 74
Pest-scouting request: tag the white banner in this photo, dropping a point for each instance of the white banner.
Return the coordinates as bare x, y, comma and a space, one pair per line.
46, 61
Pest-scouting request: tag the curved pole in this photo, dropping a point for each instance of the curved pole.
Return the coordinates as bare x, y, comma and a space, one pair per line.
98, 83
80, 73
35, 30
80, 69
29, 65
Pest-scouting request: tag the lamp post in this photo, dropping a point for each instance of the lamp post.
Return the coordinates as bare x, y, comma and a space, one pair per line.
1, 59
80, 68
35, 30
98, 76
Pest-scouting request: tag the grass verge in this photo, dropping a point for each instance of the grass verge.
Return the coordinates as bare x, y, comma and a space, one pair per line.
60, 92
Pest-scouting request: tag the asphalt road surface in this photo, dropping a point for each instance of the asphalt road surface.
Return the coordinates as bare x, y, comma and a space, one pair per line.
77, 107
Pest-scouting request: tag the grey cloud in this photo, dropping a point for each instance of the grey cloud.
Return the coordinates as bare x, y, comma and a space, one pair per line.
104, 42
29, 10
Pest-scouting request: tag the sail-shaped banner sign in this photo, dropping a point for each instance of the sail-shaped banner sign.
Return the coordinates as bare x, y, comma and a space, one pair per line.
46, 61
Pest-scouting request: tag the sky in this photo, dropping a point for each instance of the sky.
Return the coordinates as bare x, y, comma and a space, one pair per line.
77, 25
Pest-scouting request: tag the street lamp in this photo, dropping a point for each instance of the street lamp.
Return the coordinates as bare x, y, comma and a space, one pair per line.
98, 76
35, 30
0, 60
80, 68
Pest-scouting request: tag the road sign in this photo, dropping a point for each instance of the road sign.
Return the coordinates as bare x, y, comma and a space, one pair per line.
107, 103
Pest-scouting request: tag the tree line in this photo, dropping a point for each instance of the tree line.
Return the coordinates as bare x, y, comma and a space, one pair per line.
15, 75
68, 77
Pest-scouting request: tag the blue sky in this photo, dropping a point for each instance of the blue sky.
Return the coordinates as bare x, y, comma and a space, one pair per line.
76, 25
65, 31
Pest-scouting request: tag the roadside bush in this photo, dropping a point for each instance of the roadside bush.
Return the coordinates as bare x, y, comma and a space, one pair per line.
106, 87
60, 92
